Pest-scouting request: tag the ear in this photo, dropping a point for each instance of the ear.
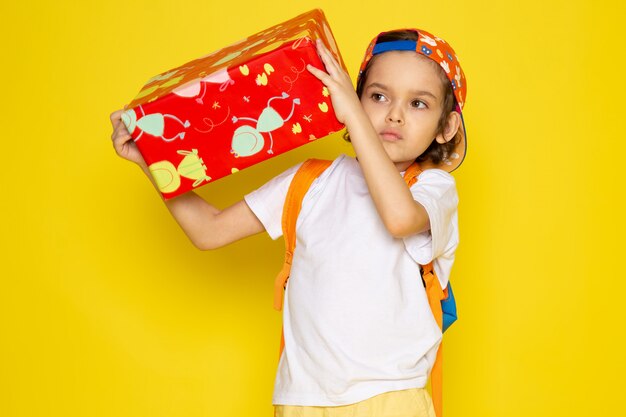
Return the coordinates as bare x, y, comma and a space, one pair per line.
453, 123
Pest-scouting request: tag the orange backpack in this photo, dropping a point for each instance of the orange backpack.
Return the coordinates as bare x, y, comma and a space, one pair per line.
304, 177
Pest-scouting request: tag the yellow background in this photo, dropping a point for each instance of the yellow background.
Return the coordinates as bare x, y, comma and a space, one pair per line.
108, 310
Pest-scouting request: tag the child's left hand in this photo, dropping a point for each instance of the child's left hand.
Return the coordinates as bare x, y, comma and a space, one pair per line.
342, 94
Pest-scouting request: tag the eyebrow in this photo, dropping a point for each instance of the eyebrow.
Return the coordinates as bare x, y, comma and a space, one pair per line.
416, 92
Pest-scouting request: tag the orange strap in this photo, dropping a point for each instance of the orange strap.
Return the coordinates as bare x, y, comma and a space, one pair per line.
435, 294
300, 184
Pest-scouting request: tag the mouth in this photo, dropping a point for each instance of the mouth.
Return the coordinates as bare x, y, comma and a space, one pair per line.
390, 136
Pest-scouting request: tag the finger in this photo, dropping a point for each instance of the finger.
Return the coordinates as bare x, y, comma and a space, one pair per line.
121, 134
119, 129
120, 140
328, 58
319, 74
116, 115
323, 55
116, 121
328, 65
121, 143
118, 124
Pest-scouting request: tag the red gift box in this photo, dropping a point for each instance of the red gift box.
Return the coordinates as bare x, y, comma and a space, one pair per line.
236, 107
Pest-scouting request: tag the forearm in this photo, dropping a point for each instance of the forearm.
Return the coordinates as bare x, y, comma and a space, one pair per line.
206, 226
194, 215
394, 202
401, 215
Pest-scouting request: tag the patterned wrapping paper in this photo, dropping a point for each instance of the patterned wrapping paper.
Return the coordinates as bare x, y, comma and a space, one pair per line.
234, 108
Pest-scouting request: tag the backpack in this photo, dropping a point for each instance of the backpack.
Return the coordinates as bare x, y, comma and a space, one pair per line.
442, 303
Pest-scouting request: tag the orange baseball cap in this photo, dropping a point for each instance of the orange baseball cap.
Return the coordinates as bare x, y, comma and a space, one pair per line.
442, 53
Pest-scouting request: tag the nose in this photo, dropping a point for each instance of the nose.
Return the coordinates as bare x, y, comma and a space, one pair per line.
395, 116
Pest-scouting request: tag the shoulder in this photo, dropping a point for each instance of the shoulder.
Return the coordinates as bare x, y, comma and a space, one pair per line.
341, 162
278, 186
280, 181
436, 191
339, 165
437, 183
267, 202
435, 175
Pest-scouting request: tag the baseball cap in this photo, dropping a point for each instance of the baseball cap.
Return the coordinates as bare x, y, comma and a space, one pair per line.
442, 53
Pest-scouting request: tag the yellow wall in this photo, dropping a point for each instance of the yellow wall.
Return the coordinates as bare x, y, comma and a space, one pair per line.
107, 309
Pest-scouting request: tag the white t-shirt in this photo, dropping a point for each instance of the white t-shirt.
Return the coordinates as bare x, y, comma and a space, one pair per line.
356, 318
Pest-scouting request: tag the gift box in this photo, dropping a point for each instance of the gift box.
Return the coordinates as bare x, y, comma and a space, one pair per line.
236, 107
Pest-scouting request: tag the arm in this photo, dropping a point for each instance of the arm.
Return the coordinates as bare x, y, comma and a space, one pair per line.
206, 226
400, 213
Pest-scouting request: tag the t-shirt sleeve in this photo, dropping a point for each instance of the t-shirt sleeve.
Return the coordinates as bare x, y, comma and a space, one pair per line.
436, 191
267, 202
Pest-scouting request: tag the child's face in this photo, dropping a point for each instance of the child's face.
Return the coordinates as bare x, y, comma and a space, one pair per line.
402, 97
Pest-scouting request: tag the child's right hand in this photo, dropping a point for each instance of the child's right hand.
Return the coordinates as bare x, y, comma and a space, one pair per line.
206, 226
123, 143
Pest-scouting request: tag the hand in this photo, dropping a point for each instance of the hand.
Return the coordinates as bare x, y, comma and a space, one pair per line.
342, 94
123, 143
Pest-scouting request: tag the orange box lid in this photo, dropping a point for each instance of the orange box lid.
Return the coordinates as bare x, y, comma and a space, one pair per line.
312, 24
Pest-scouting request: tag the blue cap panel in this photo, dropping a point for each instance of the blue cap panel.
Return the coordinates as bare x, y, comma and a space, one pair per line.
403, 45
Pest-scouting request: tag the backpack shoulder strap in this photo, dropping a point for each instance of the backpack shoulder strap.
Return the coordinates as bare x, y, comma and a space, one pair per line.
304, 177
434, 294
302, 180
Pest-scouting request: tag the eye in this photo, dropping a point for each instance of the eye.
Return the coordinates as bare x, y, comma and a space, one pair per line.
377, 97
419, 104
